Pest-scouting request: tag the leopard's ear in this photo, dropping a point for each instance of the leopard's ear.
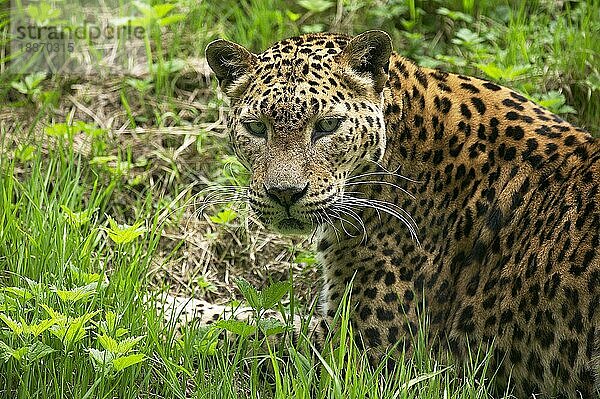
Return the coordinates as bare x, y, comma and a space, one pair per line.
368, 55
230, 62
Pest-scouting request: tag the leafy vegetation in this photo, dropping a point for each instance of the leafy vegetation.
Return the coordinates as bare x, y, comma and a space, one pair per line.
102, 184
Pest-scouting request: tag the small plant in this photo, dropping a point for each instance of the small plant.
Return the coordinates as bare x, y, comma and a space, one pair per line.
123, 233
306, 257
205, 285
504, 73
225, 216
25, 355
260, 302
555, 102
68, 330
112, 164
30, 85
77, 219
82, 293
265, 299
117, 353
25, 152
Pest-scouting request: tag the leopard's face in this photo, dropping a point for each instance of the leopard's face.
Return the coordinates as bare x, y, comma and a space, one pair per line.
302, 119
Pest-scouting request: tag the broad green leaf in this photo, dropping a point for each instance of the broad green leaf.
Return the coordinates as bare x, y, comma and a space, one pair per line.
36, 329
68, 334
455, 15
32, 81
249, 292
58, 130
100, 359
123, 234
207, 345
224, 217
38, 350
5, 352
171, 19
271, 295
77, 294
25, 153
292, 16
509, 73
111, 320
271, 326
89, 129
205, 284
58, 317
160, 10
43, 13
171, 66
19, 293
126, 361
87, 278
467, 37
237, 327
108, 343
312, 28
20, 353
316, 5
77, 219
555, 101
103, 160
22, 327
120, 332
305, 257
491, 70
448, 59
141, 85
16, 327
72, 331
118, 347
127, 344
20, 86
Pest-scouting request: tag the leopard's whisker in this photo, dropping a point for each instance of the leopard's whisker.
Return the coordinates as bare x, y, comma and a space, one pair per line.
329, 222
338, 216
209, 200
237, 196
388, 208
380, 202
395, 172
348, 210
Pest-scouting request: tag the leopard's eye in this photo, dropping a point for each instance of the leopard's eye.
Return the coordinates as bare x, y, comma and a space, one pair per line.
326, 126
256, 128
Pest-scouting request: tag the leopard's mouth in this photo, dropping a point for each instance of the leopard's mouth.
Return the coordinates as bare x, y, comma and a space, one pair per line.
293, 226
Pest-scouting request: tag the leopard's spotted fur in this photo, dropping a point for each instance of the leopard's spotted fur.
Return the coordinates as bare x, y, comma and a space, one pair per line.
505, 196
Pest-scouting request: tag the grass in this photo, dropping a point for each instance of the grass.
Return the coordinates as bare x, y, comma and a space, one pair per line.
100, 180
72, 294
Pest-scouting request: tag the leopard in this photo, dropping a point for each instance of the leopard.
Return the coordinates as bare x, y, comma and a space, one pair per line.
428, 193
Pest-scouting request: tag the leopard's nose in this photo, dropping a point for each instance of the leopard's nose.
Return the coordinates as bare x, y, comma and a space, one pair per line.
286, 195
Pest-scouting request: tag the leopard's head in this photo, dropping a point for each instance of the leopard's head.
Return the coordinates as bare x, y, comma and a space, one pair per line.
304, 115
